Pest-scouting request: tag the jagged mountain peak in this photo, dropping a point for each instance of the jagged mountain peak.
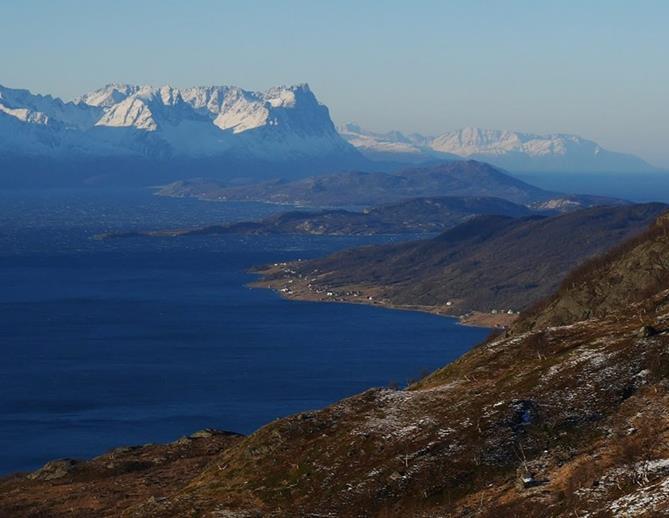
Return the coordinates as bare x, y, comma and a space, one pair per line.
9, 94
280, 124
108, 95
230, 107
44, 110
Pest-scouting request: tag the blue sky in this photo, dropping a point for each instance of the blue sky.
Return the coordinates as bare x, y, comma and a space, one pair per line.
596, 68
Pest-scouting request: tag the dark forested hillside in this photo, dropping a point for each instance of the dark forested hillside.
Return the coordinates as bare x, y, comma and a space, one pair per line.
489, 262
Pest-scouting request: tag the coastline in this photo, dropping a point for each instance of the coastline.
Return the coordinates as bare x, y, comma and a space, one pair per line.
290, 285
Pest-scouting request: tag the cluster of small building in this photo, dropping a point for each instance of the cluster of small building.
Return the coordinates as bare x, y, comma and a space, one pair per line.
503, 312
335, 295
286, 289
325, 293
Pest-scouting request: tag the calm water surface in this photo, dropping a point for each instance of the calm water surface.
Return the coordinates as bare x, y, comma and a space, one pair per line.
106, 343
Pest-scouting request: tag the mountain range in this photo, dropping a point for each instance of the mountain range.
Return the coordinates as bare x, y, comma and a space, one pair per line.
521, 152
143, 134
165, 132
118, 119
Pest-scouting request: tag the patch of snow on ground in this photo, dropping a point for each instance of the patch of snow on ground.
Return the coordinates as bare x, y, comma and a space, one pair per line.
650, 499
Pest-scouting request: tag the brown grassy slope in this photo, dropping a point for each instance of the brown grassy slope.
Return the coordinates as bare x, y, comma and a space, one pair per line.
583, 409
109, 485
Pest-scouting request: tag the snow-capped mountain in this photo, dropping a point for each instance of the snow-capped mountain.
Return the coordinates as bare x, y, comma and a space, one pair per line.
119, 120
508, 149
392, 145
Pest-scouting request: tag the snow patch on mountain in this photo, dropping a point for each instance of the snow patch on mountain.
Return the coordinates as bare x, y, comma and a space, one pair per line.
43, 109
107, 96
474, 141
25, 115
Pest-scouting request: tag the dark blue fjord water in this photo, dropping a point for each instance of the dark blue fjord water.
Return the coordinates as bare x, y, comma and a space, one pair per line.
109, 343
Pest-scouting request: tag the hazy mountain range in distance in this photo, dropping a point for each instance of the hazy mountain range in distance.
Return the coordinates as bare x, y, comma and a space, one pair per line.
142, 134
514, 151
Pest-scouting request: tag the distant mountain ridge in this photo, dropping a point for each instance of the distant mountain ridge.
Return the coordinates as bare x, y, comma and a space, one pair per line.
462, 178
119, 119
415, 216
511, 150
123, 134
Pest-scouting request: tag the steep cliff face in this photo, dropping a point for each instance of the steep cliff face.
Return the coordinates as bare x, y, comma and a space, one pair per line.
565, 419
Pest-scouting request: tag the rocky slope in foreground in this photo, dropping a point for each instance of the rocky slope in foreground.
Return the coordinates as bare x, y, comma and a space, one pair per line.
567, 414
